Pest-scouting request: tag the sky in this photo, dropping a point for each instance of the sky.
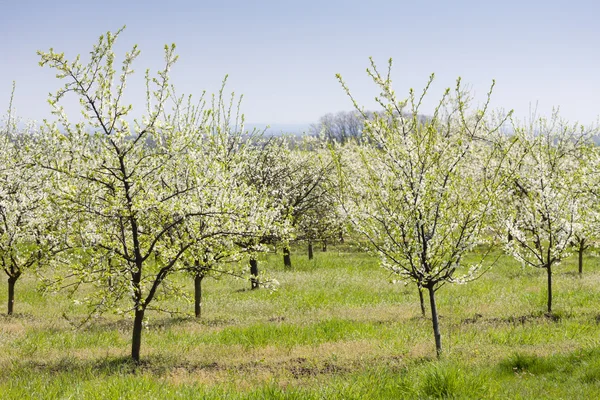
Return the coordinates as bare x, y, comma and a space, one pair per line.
283, 55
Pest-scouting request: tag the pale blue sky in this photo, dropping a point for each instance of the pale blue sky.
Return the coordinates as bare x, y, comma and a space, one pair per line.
283, 56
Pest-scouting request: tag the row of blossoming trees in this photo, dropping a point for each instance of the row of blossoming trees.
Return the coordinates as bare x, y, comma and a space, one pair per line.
120, 205
427, 192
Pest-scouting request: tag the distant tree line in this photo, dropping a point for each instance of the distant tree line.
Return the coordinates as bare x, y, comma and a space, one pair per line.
344, 126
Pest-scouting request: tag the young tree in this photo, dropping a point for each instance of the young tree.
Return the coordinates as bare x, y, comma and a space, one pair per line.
322, 219
25, 224
420, 190
294, 177
225, 151
307, 192
586, 229
321, 223
543, 192
266, 172
126, 186
584, 232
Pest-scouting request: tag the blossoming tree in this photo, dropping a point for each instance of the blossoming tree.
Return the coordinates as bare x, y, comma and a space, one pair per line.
129, 187
25, 223
543, 192
420, 190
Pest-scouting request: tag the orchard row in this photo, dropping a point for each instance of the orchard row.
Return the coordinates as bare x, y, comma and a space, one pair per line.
118, 202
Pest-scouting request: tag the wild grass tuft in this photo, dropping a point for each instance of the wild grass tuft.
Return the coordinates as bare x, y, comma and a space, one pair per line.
446, 380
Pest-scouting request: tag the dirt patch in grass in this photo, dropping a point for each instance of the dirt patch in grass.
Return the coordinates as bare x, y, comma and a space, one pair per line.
514, 320
473, 320
301, 367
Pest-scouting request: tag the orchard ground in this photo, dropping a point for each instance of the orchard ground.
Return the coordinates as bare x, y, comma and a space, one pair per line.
335, 328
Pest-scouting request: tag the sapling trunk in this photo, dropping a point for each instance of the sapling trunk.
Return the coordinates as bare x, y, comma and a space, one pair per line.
287, 260
136, 340
12, 280
310, 251
110, 274
509, 233
198, 294
140, 308
549, 272
324, 245
435, 321
422, 300
580, 251
253, 273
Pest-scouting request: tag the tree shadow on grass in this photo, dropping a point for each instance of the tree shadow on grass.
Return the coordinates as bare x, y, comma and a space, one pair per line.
126, 324
18, 317
157, 364
161, 365
535, 317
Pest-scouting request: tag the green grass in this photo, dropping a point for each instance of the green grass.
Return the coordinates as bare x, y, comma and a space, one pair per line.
335, 329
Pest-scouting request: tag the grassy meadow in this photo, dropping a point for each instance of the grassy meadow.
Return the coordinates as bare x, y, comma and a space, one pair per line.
336, 328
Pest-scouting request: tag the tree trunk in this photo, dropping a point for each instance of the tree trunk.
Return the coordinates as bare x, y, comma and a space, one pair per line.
12, 280
581, 249
136, 340
509, 234
110, 273
198, 295
341, 236
549, 272
435, 322
324, 245
422, 300
254, 273
287, 260
310, 251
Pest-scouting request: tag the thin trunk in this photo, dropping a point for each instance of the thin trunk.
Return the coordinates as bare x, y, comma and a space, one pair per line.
581, 249
324, 245
310, 251
434, 320
11, 293
422, 300
549, 272
254, 273
287, 260
110, 279
509, 234
198, 295
341, 236
136, 341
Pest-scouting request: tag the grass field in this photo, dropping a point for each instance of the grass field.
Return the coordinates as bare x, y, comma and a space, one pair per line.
335, 329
